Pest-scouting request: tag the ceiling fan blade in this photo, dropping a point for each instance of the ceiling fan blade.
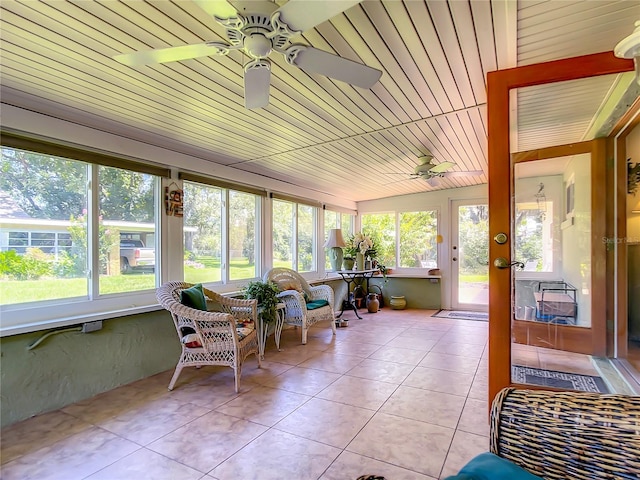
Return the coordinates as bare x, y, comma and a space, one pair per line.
257, 79
170, 54
217, 8
303, 15
441, 167
472, 173
318, 61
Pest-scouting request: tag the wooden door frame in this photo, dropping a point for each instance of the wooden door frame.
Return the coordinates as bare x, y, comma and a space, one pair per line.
619, 277
499, 85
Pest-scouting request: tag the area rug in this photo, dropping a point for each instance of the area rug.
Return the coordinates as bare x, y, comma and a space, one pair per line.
462, 315
553, 378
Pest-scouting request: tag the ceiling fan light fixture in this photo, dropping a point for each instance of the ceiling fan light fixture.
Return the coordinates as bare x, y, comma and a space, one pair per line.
257, 45
629, 47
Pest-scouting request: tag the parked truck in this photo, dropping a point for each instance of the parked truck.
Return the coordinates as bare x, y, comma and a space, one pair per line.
134, 256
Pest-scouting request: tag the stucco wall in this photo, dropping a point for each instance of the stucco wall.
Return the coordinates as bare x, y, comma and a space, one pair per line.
68, 367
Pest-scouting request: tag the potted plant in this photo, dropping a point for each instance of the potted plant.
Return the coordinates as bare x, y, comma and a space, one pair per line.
266, 293
349, 254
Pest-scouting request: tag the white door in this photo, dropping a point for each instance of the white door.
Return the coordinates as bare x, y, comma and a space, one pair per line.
470, 255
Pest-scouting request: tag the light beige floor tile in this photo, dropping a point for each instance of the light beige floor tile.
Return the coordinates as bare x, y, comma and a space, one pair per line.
479, 390
380, 370
399, 355
74, 457
306, 381
111, 403
293, 355
207, 442
278, 455
423, 334
327, 422
432, 325
37, 432
262, 376
208, 395
463, 349
264, 405
475, 417
367, 336
412, 343
403, 442
359, 392
330, 362
472, 339
425, 405
352, 347
351, 465
454, 363
146, 464
153, 420
438, 380
464, 447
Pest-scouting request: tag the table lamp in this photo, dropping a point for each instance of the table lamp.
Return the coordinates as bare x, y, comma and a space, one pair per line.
334, 243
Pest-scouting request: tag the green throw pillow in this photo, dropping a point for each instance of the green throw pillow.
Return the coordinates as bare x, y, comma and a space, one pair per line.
194, 297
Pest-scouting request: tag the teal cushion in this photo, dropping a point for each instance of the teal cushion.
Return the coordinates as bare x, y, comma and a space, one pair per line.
316, 304
194, 297
488, 466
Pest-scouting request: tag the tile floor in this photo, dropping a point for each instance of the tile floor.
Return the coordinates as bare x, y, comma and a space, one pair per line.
398, 393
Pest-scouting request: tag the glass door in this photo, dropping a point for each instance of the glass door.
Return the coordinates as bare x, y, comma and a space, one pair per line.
470, 255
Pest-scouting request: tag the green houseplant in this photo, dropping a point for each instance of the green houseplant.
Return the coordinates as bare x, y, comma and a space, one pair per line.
266, 293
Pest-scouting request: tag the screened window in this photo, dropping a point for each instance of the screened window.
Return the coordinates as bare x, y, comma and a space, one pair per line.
126, 230
343, 221
243, 243
404, 239
221, 235
49, 256
381, 228
418, 247
294, 235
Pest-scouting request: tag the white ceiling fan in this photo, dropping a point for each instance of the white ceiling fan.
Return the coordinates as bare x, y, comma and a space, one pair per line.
258, 28
432, 173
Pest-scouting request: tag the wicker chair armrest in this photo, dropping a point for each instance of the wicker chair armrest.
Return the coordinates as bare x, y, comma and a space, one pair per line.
217, 330
553, 433
322, 292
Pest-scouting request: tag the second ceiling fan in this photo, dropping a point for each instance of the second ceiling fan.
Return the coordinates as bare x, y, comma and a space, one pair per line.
431, 172
259, 28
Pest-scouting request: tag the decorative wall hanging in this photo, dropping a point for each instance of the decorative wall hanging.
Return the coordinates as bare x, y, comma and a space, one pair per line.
633, 177
173, 199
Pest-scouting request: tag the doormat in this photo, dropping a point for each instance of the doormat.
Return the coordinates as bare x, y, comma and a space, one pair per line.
553, 378
462, 315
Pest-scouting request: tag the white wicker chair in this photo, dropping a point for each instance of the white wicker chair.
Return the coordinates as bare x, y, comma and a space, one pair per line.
296, 312
216, 331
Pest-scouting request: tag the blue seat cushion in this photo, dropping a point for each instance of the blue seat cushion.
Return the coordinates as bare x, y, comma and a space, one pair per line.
488, 466
316, 304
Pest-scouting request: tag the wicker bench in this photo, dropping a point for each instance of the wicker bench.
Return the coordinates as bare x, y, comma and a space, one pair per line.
568, 435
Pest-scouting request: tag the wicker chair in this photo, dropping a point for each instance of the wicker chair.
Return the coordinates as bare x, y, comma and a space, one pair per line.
293, 289
216, 331
568, 435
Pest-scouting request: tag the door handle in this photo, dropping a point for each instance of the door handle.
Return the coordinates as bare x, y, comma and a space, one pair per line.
502, 263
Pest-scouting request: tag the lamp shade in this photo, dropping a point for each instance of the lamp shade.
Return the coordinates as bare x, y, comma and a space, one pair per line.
335, 239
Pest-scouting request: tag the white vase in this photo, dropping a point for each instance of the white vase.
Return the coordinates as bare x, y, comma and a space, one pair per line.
359, 261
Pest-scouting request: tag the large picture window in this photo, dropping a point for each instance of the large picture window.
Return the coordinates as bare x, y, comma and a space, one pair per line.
404, 239
294, 235
214, 252
57, 243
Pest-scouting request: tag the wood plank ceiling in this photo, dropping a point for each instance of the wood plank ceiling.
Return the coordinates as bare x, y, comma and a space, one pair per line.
320, 134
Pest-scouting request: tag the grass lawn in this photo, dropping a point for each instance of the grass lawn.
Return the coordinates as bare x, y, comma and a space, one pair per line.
21, 291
